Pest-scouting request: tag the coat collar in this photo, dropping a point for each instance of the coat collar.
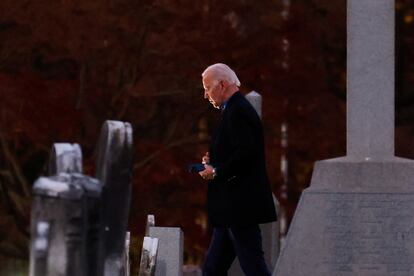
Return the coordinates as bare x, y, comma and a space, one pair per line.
232, 98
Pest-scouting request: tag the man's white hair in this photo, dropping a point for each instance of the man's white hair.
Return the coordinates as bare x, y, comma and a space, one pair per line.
221, 71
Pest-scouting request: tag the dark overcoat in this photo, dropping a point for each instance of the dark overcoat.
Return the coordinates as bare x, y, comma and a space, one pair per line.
240, 194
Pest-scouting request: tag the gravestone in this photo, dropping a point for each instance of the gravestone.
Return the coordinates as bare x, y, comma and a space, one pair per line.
170, 250
270, 231
65, 157
149, 250
148, 257
114, 170
255, 99
61, 247
357, 216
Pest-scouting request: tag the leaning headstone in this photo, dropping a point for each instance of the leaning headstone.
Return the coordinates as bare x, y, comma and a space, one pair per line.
148, 257
357, 217
65, 157
114, 170
270, 231
170, 250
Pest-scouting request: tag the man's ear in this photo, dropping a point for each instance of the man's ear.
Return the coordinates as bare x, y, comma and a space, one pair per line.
223, 86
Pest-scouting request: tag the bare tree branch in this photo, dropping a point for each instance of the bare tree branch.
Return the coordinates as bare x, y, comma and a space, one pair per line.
15, 166
82, 85
155, 154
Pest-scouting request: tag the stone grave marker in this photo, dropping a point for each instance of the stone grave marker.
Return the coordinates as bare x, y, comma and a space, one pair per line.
170, 250
148, 257
65, 226
114, 170
67, 158
59, 204
357, 216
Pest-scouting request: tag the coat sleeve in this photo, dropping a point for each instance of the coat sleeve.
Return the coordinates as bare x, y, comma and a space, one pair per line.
244, 131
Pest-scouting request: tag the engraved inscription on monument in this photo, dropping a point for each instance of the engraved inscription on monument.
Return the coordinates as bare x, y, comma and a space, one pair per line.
369, 233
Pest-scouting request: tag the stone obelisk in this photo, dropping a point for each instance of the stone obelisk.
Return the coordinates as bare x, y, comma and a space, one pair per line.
357, 216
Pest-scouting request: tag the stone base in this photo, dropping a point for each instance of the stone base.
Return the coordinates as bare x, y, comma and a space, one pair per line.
357, 218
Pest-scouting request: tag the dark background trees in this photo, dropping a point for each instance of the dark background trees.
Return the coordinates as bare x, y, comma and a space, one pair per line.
66, 66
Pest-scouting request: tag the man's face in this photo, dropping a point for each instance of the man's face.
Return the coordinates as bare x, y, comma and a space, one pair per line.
213, 91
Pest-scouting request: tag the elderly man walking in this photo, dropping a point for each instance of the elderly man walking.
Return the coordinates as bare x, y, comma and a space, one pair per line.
239, 195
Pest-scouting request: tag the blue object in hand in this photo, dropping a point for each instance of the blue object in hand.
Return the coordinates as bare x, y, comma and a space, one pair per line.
195, 168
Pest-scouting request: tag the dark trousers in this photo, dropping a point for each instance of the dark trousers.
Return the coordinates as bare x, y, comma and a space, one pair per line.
227, 243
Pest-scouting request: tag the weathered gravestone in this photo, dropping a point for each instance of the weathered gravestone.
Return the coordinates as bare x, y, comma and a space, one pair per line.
114, 170
148, 257
270, 231
149, 250
255, 99
67, 158
63, 221
170, 250
357, 217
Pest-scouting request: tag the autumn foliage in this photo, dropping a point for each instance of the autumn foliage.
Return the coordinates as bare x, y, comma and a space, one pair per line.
67, 66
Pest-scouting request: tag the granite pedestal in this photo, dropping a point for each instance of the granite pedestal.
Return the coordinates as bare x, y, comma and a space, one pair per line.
357, 218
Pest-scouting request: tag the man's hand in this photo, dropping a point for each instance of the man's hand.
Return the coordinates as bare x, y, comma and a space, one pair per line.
208, 173
206, 159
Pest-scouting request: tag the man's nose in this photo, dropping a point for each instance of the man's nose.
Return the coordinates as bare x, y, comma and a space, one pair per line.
205, 95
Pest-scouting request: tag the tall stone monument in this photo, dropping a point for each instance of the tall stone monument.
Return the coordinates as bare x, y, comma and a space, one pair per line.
357, 216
